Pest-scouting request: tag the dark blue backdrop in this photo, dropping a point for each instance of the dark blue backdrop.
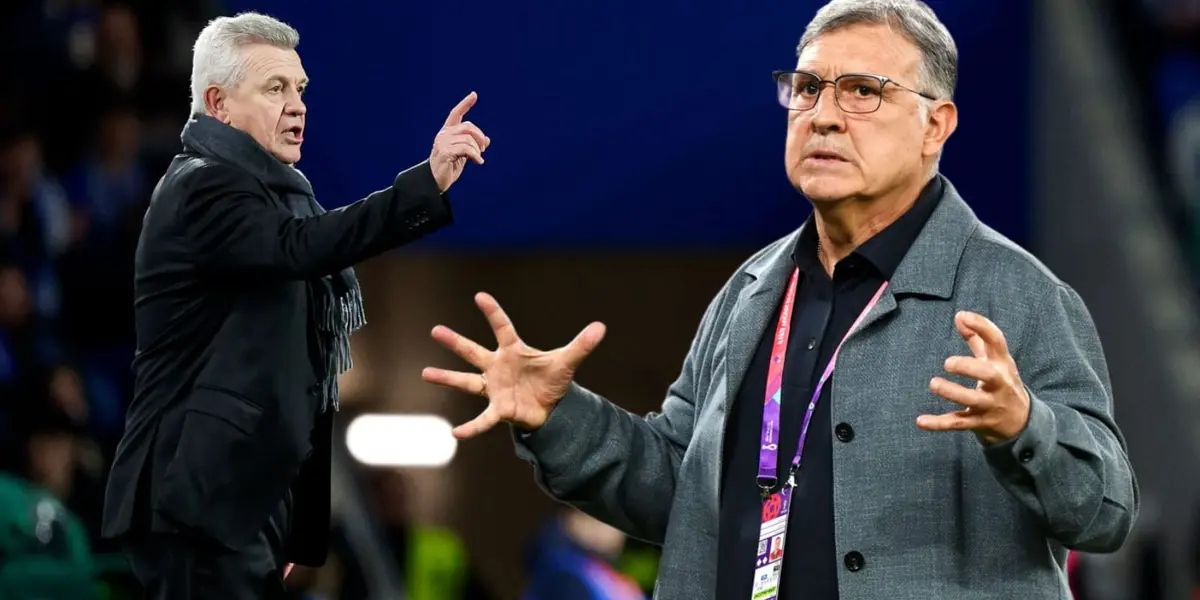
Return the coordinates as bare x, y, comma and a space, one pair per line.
619, 123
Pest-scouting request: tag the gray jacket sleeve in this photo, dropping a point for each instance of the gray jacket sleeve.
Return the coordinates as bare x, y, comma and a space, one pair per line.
614, 465
1070, 465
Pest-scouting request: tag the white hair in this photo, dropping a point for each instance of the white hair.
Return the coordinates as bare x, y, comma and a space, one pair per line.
217, 57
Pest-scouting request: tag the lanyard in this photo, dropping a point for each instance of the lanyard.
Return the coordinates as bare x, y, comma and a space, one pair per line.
768, 454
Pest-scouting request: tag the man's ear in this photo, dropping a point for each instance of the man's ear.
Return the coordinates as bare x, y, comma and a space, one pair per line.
943, 120
214, 103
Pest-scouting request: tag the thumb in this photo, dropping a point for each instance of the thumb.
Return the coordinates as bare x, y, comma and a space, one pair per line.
583, 344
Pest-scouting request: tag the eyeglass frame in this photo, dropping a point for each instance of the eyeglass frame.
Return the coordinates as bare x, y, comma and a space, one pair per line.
821, 83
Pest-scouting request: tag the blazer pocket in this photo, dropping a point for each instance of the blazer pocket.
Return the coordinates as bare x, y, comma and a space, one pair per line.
224, 477
227, 406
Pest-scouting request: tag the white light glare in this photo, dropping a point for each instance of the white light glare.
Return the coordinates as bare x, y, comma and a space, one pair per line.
401, 440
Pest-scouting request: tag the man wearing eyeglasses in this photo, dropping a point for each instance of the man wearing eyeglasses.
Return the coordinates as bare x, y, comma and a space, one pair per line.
894, 401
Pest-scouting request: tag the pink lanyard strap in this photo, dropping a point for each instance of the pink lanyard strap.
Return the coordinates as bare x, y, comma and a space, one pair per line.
768, 454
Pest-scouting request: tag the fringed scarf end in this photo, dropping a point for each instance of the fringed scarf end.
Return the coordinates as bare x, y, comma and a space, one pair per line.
330, 394
339, 319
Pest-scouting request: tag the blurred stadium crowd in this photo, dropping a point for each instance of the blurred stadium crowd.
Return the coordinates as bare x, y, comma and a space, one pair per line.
93, 98
1162, 43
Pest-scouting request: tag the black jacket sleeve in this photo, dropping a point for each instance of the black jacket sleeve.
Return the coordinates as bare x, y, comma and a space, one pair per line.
230, 225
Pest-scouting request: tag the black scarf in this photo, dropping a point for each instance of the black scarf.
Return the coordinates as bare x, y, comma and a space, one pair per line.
335, 302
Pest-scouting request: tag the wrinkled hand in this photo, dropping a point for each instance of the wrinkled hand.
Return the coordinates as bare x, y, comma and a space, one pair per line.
455, 143
522, 384
997, 409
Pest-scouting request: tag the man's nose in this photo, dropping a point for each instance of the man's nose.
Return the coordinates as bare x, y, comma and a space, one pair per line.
296, 108
827, 115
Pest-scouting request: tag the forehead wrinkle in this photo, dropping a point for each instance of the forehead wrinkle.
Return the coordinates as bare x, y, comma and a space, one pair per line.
270, 62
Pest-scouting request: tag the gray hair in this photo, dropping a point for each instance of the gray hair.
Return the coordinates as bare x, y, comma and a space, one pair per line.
217, 56
938, 72
937, 75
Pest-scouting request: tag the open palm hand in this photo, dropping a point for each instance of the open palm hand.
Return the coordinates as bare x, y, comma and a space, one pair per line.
522, 384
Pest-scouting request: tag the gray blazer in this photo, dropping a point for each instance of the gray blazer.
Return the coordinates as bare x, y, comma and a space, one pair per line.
935, 515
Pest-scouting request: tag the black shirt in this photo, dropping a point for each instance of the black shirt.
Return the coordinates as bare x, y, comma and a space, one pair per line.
824, 310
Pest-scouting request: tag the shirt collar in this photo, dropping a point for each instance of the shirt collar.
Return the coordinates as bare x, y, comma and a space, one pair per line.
885, 249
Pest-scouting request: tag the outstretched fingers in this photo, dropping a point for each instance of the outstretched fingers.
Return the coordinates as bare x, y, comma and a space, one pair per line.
468, 350
502, 327
583, 344
471, 383
486, 420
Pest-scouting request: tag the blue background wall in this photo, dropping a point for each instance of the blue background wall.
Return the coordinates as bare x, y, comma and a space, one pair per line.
619, 123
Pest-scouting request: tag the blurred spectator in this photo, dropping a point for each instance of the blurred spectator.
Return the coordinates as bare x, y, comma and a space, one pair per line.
53, 34
21, 350
573, 556
60, 459
118, 59
639, 561
309, 584
34, 216
1177, 99
66, 394
52, 453
105, 53
27, 352
109, 189
1162, 40
45, 551
433, 562
167, 63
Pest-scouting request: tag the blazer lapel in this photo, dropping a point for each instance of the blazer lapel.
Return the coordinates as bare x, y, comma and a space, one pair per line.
748, 321
930, 266
885, 306
755, 305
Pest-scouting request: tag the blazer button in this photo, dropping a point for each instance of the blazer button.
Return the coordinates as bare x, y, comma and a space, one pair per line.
1026, 455
844, 432
854, 561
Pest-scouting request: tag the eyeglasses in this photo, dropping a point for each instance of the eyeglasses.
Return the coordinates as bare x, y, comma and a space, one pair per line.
856, 93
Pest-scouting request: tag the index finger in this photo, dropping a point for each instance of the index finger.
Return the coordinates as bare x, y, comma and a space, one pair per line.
506, 334
976, 343
460, 111
468, 350
986, 329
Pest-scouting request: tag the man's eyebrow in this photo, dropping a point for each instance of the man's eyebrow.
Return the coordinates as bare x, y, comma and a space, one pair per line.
284, 79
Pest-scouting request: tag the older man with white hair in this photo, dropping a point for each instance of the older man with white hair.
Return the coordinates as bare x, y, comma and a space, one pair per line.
893, 401
245, 301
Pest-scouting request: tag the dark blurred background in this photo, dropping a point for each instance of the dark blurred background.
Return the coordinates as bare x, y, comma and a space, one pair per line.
637, 160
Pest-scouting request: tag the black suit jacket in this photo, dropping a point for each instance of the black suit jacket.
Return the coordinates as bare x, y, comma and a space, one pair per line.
226, 411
